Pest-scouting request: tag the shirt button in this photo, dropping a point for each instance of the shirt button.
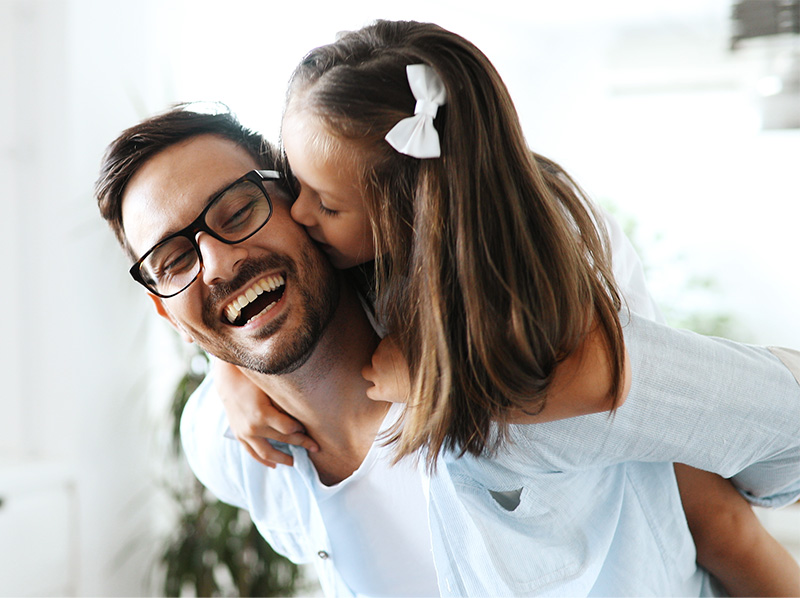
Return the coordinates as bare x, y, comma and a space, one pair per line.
323, 555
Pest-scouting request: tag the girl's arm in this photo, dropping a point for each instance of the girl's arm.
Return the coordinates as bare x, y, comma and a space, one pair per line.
580, 386
253, 418
731, 542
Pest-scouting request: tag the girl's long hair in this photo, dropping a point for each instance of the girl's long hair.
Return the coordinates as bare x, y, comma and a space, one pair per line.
491, 266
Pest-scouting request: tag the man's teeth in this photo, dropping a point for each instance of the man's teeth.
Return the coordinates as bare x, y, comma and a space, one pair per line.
268, 284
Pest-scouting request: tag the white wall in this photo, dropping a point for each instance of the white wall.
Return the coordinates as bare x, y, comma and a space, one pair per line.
75, 367
641, 101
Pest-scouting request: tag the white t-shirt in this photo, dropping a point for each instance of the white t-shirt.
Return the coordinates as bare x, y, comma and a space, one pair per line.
390, 532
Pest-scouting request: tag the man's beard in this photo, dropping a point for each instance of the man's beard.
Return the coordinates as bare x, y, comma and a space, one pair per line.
318, 288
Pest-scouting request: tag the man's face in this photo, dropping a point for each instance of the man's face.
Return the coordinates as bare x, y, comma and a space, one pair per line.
284, 288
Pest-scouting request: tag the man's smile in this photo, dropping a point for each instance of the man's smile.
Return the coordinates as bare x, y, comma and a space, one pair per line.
257, 300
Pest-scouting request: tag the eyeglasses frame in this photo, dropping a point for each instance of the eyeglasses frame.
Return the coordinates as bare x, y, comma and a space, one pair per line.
199, 224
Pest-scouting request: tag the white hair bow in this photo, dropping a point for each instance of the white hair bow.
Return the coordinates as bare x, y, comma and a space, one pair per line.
416, 136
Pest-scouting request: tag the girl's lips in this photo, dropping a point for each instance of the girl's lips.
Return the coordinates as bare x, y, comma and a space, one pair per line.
326, 247
318, 241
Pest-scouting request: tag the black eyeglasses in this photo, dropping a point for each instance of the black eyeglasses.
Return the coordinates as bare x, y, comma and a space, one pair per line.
234, 215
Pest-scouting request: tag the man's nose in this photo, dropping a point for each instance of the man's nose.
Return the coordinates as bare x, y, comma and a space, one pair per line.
220, 260
303, 210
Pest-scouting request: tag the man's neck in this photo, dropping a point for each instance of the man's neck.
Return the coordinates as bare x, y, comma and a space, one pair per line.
327, 394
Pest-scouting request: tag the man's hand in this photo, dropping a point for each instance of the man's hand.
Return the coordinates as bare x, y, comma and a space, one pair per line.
254, 419
388, 374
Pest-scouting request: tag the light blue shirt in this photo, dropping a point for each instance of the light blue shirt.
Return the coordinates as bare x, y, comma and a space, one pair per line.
588, 506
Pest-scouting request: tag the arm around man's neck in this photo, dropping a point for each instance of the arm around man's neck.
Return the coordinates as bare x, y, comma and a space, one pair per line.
327, 394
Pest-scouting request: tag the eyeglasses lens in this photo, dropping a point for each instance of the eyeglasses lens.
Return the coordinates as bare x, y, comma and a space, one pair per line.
239, 212
171, 266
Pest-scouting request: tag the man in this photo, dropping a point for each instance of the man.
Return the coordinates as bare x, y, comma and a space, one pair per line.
214, 244
338, 506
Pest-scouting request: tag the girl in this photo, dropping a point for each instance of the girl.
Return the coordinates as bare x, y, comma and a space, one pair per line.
492, 275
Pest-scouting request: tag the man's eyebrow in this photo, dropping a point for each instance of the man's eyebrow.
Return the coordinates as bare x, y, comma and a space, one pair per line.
214, 194
211, 197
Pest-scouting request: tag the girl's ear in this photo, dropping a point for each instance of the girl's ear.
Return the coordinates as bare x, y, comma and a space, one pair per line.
162, 311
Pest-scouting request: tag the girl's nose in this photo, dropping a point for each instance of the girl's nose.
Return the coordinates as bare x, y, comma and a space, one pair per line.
303, 210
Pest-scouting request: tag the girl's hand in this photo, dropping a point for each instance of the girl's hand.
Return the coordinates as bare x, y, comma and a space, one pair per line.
388, 374
254, 419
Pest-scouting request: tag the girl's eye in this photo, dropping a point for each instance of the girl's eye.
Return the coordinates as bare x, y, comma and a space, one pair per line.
327, 211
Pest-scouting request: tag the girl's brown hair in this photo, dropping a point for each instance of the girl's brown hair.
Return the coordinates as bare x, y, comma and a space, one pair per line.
491, 265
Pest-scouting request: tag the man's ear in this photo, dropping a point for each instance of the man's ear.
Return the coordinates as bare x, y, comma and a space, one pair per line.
164, 313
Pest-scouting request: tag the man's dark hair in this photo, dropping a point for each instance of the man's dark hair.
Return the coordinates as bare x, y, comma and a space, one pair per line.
138, 144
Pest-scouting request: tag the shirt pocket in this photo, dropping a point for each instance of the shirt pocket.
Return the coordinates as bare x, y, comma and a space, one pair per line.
530, 544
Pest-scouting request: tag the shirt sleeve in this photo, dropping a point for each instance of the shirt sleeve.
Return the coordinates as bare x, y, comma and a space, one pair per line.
214, 458
713, 404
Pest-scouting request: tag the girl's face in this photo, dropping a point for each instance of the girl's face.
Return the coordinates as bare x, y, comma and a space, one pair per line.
330, 201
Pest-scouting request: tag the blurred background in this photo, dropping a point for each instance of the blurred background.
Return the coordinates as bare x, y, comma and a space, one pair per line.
680, 116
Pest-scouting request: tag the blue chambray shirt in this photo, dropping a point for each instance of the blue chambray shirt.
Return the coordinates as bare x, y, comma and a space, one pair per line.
589, 506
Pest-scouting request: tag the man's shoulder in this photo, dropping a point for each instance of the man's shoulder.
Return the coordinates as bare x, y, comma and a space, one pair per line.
220, 462
279, 500
203, 421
